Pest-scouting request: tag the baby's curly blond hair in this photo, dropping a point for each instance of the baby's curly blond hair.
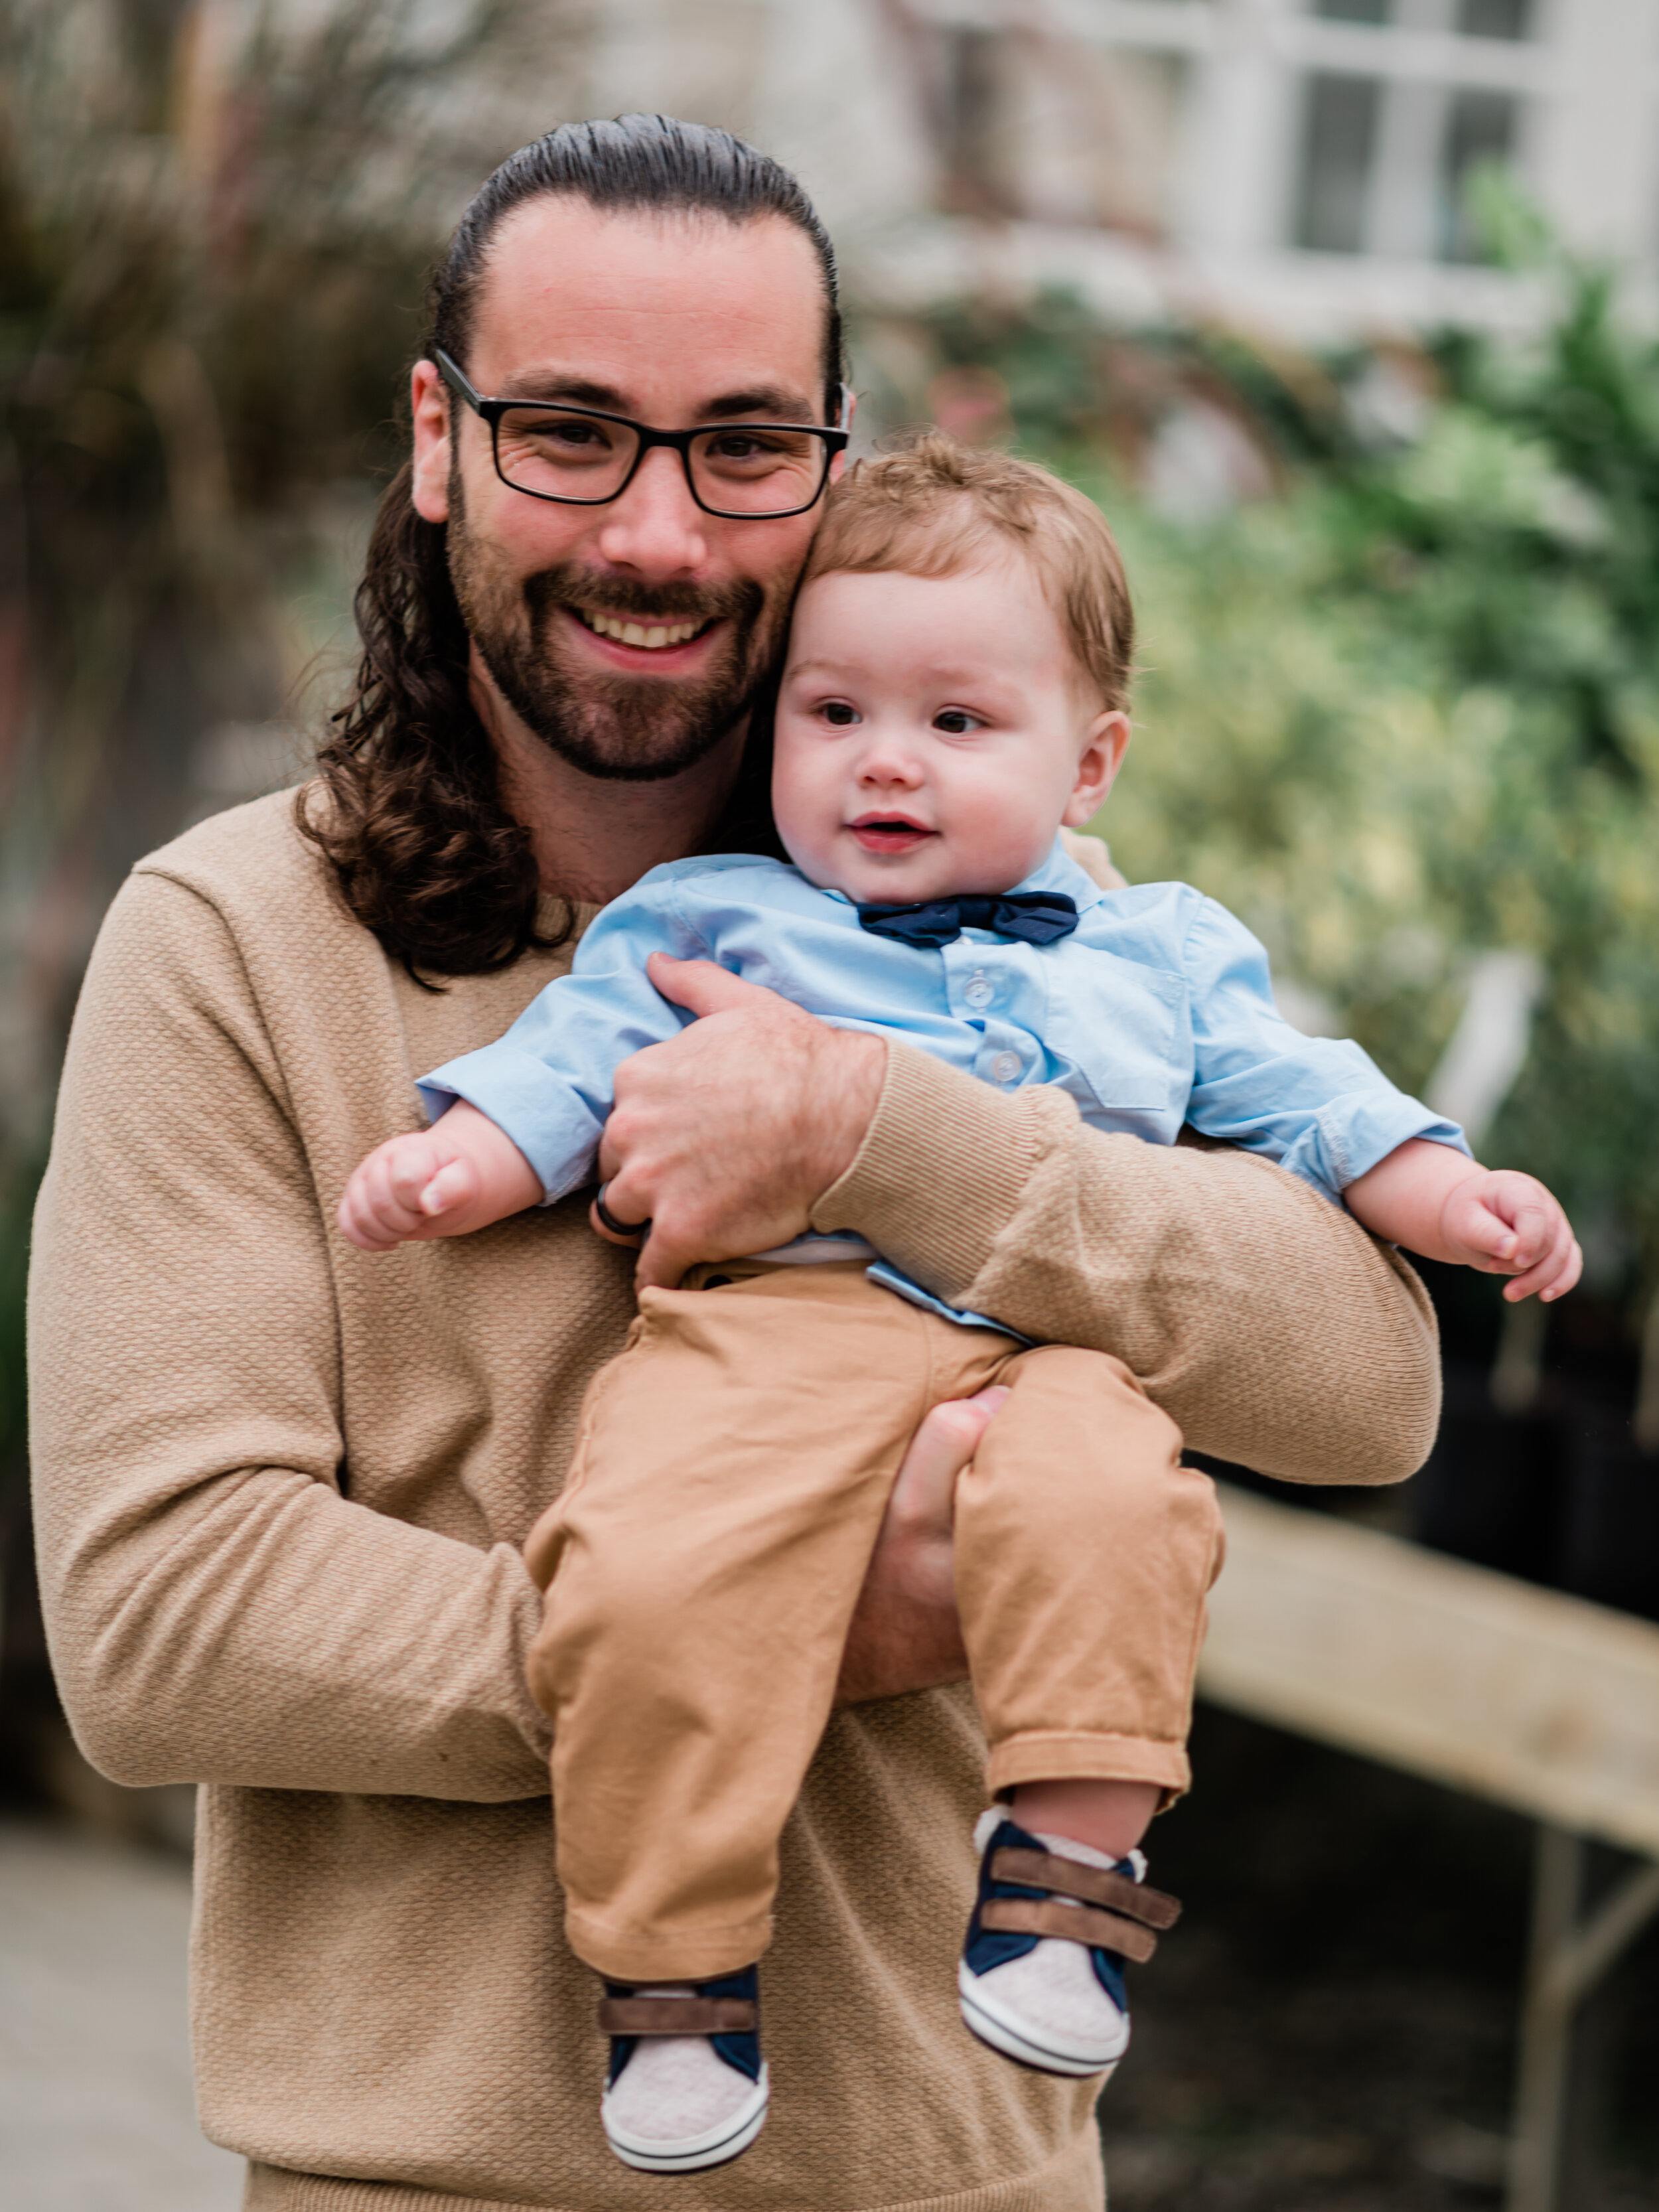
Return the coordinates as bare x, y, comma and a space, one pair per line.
931, 506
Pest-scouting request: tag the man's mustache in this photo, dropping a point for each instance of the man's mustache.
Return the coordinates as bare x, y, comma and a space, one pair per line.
579, 589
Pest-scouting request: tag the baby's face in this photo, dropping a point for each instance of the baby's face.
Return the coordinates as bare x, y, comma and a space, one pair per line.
932, 734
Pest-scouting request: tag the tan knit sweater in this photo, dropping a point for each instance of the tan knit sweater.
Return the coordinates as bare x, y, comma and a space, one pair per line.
281, 1484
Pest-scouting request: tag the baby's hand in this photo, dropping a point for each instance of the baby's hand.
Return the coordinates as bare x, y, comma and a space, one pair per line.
409, 1189
1507, 1224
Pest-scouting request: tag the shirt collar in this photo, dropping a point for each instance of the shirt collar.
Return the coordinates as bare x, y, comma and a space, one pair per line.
1061, 873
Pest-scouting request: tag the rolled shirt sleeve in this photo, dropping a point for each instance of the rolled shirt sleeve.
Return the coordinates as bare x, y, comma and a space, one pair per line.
1319, 1106
549, 1082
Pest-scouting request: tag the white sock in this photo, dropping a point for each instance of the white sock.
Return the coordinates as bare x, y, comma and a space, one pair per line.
675, 2086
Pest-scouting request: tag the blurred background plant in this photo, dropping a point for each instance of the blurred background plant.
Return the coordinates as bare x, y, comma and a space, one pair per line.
1400, 698
214, 220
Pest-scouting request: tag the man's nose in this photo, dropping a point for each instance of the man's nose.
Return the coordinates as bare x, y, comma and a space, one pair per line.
656, 528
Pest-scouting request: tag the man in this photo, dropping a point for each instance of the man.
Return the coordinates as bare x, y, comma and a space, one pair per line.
282, 1486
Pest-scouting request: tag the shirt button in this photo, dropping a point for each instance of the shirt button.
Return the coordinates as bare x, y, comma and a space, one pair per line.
1006, 1066
977, 991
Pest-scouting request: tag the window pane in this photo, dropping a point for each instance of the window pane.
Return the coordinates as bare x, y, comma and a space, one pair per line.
1357, 11
973, 120
1480, 128
1495, 18
1339, 144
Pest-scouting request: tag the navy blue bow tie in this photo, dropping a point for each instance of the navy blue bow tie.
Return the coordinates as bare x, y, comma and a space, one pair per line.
1038, 917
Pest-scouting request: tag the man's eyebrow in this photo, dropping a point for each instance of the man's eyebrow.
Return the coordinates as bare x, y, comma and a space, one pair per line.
764, 402
760, 403
553, 384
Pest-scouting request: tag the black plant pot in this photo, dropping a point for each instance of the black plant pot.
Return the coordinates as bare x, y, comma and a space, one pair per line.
1612, 1532
1494, 1488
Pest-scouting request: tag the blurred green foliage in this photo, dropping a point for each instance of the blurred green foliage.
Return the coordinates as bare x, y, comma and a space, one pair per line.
1399, 692
213, 228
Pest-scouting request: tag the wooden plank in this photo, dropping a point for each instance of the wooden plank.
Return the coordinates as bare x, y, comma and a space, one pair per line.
1544, 1703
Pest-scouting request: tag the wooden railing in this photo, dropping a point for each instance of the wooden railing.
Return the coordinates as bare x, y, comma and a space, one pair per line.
1543, 1703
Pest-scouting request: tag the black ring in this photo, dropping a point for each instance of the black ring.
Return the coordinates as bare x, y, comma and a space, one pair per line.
616, 1228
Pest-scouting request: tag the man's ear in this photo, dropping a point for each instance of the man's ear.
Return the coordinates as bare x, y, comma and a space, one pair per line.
430, 409
1103, 747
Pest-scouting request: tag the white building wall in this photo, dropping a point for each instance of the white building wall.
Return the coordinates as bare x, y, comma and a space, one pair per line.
1149, 151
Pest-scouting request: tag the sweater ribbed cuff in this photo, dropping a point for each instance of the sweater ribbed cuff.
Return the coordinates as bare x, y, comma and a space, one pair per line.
942, 1168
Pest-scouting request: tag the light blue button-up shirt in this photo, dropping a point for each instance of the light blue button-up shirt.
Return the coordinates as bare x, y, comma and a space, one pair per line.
1157, 1010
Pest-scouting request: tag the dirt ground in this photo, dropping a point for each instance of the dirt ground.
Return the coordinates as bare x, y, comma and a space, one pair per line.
97, 2113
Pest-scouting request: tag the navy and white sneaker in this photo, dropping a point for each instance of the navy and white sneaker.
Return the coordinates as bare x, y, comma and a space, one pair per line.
687, 2087
1042, 1973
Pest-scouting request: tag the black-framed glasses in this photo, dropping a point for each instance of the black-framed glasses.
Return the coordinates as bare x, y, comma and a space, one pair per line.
584, 457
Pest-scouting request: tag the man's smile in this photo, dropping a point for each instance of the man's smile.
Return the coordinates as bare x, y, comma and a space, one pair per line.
641, 632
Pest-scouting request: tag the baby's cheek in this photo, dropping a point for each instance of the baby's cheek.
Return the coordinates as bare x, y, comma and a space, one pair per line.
806, 814
1004, 834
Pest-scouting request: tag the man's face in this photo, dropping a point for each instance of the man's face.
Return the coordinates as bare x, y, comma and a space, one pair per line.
673, 322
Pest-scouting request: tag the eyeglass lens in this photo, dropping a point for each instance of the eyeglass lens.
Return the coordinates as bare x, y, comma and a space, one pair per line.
739, 469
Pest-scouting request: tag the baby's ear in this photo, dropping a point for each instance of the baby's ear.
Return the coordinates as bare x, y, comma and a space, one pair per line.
1105, 744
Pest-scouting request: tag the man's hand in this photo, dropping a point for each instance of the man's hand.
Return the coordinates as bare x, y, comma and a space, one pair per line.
905, 1633
1507, 1224
725, 1138
461, 1173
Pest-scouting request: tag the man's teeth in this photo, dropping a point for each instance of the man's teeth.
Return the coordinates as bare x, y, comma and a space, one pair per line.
652, 635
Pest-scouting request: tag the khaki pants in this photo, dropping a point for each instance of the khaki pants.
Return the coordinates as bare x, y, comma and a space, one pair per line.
702, 1564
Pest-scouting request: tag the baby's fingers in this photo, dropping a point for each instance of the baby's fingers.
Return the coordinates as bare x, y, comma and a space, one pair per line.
364, 1219
1487, 1240
1555, 1273
454, 1187
1540, 1229
380, 1206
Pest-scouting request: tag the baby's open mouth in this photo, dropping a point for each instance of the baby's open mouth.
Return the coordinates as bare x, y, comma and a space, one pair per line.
889, 833
647, 635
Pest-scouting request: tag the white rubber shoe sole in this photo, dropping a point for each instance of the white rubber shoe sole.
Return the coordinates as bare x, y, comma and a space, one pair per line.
1043, 2051
716, 2146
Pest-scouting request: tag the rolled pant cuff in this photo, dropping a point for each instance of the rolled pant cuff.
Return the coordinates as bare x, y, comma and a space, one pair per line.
688, 1956
1056, 1757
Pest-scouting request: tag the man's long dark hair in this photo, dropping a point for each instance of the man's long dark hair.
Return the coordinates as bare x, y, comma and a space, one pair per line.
407, 806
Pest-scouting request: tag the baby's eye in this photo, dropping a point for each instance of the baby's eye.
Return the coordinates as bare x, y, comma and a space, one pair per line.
839, 714
957, 721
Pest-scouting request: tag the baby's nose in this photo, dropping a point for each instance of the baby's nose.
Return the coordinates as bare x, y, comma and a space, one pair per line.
890, 765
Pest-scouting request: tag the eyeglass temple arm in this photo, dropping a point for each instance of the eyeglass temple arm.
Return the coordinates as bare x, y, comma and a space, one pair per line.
456, 378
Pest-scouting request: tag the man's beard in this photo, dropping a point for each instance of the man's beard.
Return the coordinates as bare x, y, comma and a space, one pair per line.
617, 728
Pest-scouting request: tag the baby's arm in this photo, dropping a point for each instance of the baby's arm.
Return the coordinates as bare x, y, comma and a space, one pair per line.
1317, 1104
518, 1121
1443, 1206
461, 1173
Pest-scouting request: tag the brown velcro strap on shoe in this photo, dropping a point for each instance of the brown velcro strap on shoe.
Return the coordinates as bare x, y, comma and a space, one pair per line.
1093, 1885
1072, 1923
685, 2015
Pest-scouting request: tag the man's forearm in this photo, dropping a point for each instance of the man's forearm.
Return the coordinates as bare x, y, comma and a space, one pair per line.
1261, 1318
261, 1629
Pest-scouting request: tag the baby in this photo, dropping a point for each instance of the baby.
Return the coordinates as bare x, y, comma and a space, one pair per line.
955, 692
